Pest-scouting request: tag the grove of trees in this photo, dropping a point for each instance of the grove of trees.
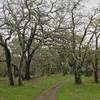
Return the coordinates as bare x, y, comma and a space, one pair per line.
44, 37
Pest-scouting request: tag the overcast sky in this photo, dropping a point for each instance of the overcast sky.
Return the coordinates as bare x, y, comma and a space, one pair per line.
92, 3
87, 3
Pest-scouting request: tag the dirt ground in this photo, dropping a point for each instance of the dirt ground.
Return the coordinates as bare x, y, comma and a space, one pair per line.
49, 94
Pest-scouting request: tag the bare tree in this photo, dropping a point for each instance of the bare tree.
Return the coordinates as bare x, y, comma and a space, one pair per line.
28, 19
4, 44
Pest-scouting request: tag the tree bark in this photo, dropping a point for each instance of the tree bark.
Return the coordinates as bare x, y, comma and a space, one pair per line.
77, 78
20, 69
27, 70
9, 68
96, 76
96, 63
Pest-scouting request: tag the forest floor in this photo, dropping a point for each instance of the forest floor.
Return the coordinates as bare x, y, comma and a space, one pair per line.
49, 94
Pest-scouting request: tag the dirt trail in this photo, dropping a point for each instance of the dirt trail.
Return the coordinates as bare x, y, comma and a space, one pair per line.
49, 94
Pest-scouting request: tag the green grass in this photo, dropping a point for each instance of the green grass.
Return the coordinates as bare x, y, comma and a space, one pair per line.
69, 91
30, 89
87, 91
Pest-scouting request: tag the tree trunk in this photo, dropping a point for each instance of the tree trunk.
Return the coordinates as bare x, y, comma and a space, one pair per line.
20, 68
96, 63
27, 71
96, 76
19, 78
77, 78
9, 68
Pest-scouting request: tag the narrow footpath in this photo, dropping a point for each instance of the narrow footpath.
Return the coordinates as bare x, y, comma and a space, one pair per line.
49, 94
